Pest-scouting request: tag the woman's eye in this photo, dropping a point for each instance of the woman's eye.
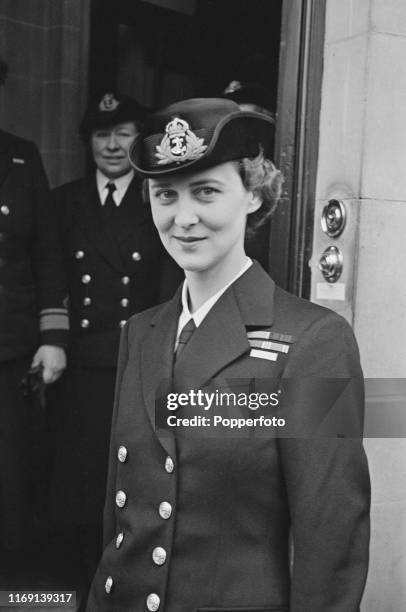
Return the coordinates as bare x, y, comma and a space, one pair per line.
165, 195
207, 192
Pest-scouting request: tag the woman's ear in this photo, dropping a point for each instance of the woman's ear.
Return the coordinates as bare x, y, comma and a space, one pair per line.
255, 202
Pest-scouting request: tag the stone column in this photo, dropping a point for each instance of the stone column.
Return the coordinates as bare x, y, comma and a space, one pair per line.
362, 159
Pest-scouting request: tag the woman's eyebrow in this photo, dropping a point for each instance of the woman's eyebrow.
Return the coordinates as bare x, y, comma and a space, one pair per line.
160, 185
205, 181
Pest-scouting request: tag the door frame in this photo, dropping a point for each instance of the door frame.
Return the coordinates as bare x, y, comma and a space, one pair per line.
297, 135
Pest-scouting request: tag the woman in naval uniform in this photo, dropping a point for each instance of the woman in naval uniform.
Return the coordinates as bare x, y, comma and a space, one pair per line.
199, 521
115, 266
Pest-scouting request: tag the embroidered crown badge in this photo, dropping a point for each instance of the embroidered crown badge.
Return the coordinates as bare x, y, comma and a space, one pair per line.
179, 143
108, 103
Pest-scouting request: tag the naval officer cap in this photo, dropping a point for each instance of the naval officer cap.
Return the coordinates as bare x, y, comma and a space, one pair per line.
199, 133
108, 110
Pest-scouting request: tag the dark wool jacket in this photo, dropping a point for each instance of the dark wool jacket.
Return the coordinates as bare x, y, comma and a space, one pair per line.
32, 291
115, 267
212, 534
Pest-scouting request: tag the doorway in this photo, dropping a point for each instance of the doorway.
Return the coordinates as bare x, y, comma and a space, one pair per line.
160, 51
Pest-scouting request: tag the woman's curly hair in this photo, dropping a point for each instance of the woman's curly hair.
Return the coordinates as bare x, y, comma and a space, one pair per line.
260, 176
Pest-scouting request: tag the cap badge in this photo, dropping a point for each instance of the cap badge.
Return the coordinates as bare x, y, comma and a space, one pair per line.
108, 103
179, 143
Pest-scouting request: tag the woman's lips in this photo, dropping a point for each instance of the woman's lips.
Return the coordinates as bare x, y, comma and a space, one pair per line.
189, 239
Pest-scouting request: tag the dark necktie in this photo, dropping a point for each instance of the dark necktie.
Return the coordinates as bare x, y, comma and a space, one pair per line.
184, 337
109, 203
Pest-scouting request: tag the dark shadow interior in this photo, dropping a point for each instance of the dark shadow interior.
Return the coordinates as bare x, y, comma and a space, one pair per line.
160, 51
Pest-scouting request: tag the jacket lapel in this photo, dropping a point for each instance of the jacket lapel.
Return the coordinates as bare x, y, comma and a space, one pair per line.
157, 364
218, 341
96, 228
222, 336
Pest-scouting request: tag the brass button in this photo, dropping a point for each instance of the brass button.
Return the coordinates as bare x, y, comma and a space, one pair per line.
119, 539
153, 602
159, 555
87, 301
85, 323
108, 585
169, 465
86, 278
122, 454
79, 254
124, 302
136, 256
122, 323
125, 280
165, 510
121, 499
5, 210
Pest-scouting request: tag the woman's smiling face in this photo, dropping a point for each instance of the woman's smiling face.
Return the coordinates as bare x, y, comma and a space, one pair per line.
201, 217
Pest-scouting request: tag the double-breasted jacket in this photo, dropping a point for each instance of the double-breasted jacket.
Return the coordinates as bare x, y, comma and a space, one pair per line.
201, 523
115, 267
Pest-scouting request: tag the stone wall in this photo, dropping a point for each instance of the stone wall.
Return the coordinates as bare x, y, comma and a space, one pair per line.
45, 43
362, 159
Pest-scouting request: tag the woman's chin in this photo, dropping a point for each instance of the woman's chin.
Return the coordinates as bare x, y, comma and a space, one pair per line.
192, 267
190, 263
187, 260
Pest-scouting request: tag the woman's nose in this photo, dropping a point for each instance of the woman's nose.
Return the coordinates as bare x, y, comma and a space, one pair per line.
185, 215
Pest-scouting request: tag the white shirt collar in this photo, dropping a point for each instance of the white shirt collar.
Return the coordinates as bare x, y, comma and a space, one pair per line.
121, 184
205, 308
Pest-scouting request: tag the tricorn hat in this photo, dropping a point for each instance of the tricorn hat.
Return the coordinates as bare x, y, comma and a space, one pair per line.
199, 133
110, 109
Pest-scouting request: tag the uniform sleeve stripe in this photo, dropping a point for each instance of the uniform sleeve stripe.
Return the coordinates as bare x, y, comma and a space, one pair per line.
46, 311
53, 321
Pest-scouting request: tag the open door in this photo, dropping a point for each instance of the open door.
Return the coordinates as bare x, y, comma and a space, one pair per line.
160, 51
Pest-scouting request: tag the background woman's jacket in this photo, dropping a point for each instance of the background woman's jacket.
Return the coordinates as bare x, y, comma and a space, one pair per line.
114, 267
